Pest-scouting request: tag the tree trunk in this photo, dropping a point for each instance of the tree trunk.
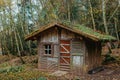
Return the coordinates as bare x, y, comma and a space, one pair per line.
18, 48
116, 30
104, 16
91, 13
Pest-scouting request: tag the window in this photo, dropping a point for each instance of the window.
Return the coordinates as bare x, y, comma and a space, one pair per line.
47, 49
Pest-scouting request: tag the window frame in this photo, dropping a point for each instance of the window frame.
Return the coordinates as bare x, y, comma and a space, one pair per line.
52, 50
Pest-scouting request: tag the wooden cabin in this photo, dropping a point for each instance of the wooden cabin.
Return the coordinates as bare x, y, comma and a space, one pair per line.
68, 47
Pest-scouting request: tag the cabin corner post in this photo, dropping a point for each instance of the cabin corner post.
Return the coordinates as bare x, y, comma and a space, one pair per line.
59, 38
98, 57
71, 58
86, 63
38, 53
85, 57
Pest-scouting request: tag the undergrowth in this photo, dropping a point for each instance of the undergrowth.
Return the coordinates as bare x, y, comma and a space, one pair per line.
14, 70
27, 75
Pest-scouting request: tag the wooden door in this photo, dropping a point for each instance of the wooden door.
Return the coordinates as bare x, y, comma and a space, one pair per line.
65, 55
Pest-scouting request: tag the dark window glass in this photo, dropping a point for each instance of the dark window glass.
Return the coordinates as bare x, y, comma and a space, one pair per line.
47, 49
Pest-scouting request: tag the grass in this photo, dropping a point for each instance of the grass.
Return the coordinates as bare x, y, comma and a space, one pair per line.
23, 75
90, 31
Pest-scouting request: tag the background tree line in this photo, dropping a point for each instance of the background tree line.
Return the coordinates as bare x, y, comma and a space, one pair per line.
20, 17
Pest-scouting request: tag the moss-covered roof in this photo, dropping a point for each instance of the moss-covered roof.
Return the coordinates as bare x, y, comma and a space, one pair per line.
79, 29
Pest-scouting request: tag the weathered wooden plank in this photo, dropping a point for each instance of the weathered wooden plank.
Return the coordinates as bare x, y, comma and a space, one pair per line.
52, 64
43, 62
56, 50
64, 55
66, 67
65, 34
77, 46
62, 64
78, 61
50, 35
94, 55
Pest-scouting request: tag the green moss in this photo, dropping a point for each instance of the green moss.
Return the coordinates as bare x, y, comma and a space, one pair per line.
90, 31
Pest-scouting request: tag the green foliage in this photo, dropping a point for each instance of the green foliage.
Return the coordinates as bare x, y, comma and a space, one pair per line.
108, 58
26, 75
5, 64
12, 69
42, 78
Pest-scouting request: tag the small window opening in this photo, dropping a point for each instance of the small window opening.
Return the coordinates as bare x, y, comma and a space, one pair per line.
47, 49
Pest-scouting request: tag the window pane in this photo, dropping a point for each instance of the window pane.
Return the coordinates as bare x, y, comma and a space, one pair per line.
47, 49
46, 46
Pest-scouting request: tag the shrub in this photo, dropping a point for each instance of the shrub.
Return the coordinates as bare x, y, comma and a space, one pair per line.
12, 69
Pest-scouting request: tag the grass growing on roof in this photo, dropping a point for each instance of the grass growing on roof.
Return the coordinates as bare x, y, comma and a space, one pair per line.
90, 31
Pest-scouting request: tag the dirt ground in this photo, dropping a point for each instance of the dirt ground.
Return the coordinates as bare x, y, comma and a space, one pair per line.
107, 74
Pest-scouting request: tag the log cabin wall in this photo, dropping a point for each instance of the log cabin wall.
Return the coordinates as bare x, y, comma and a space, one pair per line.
94, 54
52, 36
78, 56
77, 51
48, 37
67, 35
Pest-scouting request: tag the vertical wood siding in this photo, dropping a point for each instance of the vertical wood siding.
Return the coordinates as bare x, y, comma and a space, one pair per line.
56, 50
78, 47
77, 52
65, 34
94, 54
50, 35
49, 63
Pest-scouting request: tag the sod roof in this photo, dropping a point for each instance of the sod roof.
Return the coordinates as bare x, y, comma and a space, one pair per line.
79, 29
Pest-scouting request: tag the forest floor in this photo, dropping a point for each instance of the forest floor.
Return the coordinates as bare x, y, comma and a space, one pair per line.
112, 73
13, 69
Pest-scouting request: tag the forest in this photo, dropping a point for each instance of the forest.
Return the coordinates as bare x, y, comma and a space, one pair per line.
19, 18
